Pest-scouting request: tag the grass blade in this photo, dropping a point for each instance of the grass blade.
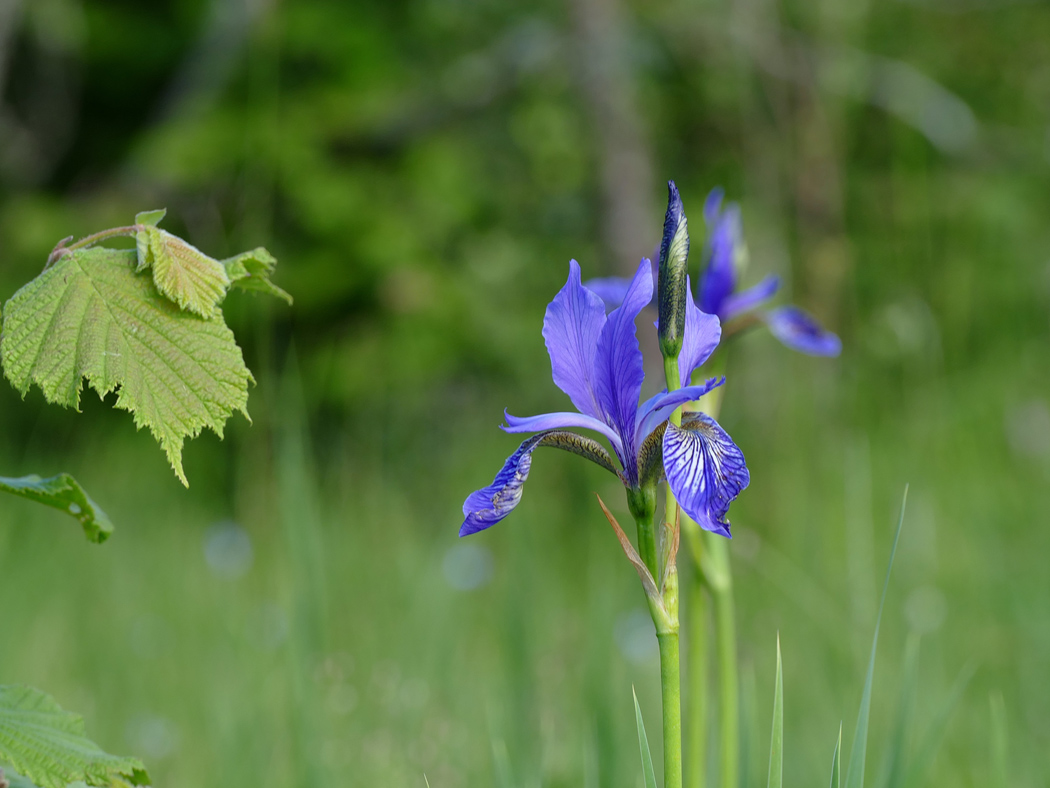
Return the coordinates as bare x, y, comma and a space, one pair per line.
643, 745
931, 740
1000, 741
836, 761
776, 739
901, 734
855, 770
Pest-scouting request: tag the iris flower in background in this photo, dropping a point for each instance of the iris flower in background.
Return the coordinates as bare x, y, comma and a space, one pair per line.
597, 362
724, 255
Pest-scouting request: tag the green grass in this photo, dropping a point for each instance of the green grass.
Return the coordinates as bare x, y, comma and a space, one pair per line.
344, 650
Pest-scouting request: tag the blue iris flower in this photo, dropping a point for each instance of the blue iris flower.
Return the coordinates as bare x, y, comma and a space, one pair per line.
718, 285
597, 362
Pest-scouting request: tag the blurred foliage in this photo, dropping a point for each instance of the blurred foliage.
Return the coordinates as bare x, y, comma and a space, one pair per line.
424, 171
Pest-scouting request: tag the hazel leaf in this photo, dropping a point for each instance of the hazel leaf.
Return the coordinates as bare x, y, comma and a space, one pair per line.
49, 746
92, 317
252, 270
62, 492
181, 271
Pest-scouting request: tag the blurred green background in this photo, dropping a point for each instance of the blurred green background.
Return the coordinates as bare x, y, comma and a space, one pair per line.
304, 614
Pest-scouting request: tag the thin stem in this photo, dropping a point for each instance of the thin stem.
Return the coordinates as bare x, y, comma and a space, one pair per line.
697, 667
728, 677
670, 668
671, 691
102, 235
647, 543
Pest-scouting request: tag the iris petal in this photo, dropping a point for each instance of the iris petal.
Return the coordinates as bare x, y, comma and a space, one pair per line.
705, 470
557, 421
750, 298
571, 327
487, 506
659, 408
800, 331
702, 334
618, 370
719, 278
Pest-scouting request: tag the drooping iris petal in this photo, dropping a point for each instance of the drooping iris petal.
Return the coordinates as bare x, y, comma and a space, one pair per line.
487, 506
702, 334
705, 471
750, 298
558, 421
618, 371
571, 327
659, 408
800, 331
719, 278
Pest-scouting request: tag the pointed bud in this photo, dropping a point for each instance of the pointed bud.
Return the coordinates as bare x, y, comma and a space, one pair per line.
672, 286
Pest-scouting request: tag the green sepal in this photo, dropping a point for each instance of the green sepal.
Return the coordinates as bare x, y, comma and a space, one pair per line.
580, 445
672, 282
62, 492
252, 270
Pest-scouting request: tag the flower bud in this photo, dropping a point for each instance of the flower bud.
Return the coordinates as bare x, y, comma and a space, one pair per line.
672, 286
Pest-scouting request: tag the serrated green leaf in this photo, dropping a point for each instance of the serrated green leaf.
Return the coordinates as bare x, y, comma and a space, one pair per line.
648, 773
49, 745
181, 271
776, 739
64, 493
855, 770
836, 761
252, 270
91, 316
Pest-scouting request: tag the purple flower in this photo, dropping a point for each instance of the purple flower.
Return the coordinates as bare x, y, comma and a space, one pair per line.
718, 286
596, 361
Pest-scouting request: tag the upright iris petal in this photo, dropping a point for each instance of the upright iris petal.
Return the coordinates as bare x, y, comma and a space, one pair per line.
571, 327
719, 278
619, 371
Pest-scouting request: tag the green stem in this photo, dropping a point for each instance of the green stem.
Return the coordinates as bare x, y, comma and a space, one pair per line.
720, 581
697, 667
102, 235
671, 690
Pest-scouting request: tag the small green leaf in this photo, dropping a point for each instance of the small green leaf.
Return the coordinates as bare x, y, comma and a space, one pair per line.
49, 746
90, 316
252, 270
151, 218
64, 493
855, 770
648, 773
182, 272
836, 761
776, 740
